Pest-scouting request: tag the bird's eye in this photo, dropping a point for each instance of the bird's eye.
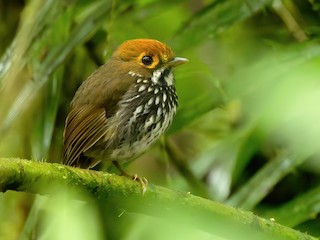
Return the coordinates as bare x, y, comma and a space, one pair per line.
147, 60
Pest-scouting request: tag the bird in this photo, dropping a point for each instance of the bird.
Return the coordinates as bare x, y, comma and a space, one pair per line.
123, 107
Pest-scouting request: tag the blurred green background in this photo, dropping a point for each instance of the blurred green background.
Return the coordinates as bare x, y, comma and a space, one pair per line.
247, 132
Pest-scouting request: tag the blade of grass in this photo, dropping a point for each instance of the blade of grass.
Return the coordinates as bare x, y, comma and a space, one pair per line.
300, 209
221, 14
263, 181
55, 58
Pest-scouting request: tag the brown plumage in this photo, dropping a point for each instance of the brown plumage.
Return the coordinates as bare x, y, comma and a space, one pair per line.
124, 106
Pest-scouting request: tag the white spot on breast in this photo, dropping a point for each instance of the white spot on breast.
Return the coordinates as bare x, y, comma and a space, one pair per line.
164, 97
149, 122
174, 110
164, 111
133, 74
169, 79
141, 88
138, 110
136, 113
139, 137
157, 100
156, 129
150, 101
132, 98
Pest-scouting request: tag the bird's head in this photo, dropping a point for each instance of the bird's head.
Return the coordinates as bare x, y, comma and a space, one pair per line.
144, 56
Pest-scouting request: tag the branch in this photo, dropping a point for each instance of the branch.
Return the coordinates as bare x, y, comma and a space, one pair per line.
29, 176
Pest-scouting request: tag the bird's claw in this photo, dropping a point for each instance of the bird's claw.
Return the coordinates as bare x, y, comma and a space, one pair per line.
143, 182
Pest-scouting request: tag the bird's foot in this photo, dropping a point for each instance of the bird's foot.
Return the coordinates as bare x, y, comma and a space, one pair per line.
143, 181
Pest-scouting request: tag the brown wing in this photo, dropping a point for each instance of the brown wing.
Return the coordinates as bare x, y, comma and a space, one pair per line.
94, 102
104, 88
85, 125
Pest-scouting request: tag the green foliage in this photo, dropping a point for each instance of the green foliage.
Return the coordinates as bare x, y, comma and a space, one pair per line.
247, 130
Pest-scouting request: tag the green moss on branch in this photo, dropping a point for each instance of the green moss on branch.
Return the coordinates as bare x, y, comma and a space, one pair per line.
37, 177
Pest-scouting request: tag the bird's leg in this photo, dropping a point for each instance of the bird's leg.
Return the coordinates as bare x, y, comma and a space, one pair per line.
143, 181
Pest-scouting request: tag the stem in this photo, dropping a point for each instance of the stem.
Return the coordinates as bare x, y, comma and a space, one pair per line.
29, 176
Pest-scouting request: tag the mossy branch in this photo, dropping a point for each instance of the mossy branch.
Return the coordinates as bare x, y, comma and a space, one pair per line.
31, 176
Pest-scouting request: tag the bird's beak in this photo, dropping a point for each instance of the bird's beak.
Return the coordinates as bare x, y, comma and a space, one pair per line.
177, 61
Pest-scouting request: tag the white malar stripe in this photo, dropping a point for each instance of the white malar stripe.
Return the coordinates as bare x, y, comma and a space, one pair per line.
141, 88
169, 79
156, 75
